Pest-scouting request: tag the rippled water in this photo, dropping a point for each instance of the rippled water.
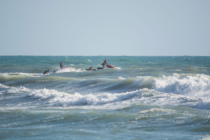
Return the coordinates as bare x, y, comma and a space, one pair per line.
141, 98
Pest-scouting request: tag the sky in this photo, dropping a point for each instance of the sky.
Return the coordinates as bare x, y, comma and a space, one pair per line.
105, 27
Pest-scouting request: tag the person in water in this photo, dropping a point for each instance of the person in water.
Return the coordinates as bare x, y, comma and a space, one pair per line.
45, 72
91, 68
104, 63
61, 65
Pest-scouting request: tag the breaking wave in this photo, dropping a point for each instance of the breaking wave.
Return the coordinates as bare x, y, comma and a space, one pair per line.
189, 90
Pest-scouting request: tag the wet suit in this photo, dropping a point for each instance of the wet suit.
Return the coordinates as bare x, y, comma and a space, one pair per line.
104, 63
90, 68
61, 65
45, 72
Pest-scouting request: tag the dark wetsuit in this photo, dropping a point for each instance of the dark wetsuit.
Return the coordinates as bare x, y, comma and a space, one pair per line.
45, 72
61, 65
90, 68
104, 63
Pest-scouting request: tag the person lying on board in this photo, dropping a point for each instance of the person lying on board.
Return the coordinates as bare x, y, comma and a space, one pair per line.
90, 69
45, 72
61, 65
104, 63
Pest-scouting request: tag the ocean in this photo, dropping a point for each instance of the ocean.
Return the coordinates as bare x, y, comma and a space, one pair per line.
143, 97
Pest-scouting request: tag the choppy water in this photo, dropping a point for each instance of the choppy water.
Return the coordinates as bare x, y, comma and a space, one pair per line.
142, 98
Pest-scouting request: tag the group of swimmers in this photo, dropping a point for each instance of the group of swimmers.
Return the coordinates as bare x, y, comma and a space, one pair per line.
91, 68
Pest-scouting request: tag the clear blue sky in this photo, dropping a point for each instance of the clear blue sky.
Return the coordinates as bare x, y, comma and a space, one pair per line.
105, 27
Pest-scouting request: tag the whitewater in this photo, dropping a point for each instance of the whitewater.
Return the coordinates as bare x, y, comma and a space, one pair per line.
159, 97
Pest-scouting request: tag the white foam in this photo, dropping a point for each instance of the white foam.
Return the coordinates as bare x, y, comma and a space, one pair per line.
3, 86
69, 70
197, 86
157, 110
14, 90
18, 90
118, 68
188, 88
207, 137
55, 98
121, 78
16, 74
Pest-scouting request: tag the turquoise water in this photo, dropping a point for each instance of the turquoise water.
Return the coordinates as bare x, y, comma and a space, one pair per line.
141, 98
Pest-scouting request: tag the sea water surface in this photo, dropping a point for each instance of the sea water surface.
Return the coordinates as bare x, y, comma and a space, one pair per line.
141, 98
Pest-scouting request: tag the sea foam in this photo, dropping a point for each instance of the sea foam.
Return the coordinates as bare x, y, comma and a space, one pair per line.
190, 88
55, 98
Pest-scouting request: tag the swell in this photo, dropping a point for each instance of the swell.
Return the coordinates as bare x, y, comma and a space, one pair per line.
44, 97
30, 79
84, 82
190, 90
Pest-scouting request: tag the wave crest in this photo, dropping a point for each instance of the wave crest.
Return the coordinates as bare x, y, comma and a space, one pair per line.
56, 98
198, 85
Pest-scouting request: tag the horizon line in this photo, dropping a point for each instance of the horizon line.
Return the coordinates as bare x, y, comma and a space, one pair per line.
109, 55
